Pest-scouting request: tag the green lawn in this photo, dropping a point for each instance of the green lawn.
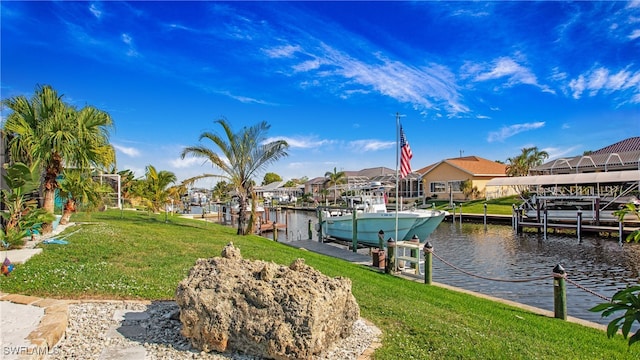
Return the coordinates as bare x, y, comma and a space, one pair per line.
132, 255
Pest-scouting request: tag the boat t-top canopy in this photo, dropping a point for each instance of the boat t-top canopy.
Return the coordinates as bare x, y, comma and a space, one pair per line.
568, 179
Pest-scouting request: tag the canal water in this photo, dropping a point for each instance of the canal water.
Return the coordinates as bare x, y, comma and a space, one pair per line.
599, 265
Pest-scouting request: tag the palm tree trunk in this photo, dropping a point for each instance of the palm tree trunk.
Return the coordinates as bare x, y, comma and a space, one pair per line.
69, 208
48, 205
242, 215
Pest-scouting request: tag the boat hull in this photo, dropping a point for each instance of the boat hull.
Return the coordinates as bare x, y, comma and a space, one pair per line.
368, 226
426, 224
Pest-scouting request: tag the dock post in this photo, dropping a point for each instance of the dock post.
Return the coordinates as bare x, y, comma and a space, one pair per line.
319, 211
428, 250
620, 233
453, 217
460, 213
485, 215
579, 226
391, 256
544, 222
415, 253
381, 239
513, 216
559, 293
310, 230
275, 232
354, 231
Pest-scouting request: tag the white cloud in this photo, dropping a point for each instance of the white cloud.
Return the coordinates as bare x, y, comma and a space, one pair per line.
128, 40
129, 151
188, 162
95, 10
509, 131
301, 142
634, 34
286, 51
361, 146
602, 80
507, 68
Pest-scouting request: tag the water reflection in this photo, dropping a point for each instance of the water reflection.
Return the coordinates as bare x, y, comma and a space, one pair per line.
496, 251
598, 264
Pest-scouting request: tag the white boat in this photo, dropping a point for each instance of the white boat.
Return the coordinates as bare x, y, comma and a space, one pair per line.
372, 216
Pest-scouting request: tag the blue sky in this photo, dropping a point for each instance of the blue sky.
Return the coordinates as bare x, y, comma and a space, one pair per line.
469, 78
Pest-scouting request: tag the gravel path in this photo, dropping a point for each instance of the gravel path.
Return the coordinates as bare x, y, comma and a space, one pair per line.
134, 330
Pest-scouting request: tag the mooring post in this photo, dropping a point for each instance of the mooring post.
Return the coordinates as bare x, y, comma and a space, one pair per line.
381, 239
310, 230
415, 253
275, 232
513, 216
559, 293
354, 231
460, 213
545, 218
428, 250
319, 212
579, 225
620, 232
453, 217
485, 215
391, 256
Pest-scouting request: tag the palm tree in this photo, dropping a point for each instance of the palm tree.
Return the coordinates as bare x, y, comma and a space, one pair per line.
46, 129
154, 188
530, 157
77, 187
333, 179
241, 155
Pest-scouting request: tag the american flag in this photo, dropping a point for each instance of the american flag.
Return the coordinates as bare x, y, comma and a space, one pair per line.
405, 155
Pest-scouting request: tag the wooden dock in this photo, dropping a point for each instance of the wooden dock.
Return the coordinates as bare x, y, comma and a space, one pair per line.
606, 229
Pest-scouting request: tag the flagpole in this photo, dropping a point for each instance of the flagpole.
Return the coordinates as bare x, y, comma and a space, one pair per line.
397, 166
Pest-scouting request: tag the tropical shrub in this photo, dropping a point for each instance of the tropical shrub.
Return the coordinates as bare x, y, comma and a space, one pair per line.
22, 215
627, 300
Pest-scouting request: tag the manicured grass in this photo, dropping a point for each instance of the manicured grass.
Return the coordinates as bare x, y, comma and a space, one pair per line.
141, 257
501, 206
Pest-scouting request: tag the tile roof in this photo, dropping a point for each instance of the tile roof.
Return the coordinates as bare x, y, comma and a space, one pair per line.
474, 165
630, 144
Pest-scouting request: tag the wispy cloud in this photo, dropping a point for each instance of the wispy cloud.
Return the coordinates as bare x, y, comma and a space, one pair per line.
128, 40
427, 87
188, 162
361, 146
285, 51
301, 142
507, 69
602, 80
95, 9
509, 131
129, 151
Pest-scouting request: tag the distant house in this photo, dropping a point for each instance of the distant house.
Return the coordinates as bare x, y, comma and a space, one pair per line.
410, 186
277, 191
444, 179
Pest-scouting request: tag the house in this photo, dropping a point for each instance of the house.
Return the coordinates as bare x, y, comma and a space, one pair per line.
444, 179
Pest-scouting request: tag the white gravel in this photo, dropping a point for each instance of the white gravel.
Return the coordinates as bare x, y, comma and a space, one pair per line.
127, 329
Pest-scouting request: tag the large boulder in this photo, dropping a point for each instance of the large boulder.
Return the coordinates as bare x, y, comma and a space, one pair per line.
230, 304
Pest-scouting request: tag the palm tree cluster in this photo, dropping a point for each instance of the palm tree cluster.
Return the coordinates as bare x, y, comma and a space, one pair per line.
47, 131
521, 164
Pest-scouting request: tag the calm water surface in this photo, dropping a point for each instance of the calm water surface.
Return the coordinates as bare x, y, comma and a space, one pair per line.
496, 251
